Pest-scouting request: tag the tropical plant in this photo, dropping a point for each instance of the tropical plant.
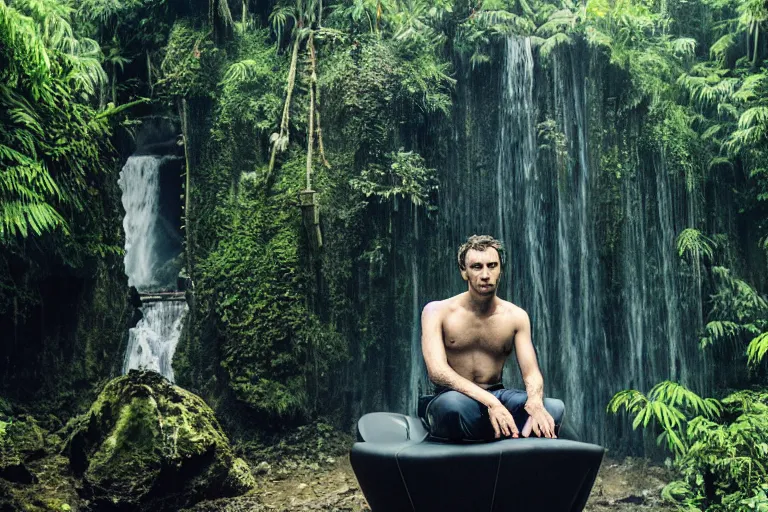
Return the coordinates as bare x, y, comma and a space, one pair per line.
302, 15
406, 177
720, 447
51, 139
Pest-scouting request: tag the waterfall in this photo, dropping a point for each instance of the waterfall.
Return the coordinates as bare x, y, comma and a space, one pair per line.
152, 343
521, 218
139, 181
149, 260
595, 331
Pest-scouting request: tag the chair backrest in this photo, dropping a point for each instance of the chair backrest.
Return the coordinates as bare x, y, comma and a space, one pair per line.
389, 427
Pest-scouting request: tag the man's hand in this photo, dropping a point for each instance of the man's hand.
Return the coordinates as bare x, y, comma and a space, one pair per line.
542, 423
502, 421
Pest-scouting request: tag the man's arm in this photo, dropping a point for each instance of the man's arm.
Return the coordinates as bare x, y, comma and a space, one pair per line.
441, 373
542, 421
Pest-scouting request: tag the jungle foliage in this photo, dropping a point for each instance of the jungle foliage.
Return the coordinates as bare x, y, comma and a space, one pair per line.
709, 91
58, 215
355, 98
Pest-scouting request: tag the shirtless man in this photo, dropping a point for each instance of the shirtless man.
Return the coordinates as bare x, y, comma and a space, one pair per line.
465, 341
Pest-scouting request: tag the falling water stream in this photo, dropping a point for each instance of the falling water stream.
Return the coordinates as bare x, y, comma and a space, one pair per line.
152, 342
544, 210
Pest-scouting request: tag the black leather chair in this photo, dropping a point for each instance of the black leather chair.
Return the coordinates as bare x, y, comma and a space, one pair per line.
399, 469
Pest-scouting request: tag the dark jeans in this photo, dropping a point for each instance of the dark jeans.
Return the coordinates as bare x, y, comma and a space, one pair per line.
453, 416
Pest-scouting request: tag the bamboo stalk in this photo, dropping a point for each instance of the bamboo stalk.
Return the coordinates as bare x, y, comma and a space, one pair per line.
311, 128
187, 186
318, 125
286, 107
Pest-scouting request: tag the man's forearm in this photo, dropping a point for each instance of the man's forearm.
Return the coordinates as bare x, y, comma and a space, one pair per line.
534, 386
450, 379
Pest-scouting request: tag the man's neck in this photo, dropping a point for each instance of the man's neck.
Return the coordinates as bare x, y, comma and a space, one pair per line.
480, 305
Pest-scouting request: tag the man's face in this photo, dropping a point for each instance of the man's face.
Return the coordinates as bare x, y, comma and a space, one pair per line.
482, 271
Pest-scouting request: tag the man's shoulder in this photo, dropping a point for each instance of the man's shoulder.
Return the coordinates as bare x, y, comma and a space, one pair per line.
442, 306
511, 310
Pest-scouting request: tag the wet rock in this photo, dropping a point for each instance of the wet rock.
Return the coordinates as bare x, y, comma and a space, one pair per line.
146, 444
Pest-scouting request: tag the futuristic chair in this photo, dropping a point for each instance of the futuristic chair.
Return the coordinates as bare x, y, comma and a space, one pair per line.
399, 469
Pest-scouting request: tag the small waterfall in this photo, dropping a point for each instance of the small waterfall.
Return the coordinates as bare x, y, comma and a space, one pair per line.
152, 342
150, 266
139, 181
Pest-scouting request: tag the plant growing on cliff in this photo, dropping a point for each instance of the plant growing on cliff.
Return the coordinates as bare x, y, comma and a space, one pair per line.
406, 177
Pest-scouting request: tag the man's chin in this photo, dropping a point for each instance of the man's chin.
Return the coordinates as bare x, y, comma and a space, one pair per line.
486, 291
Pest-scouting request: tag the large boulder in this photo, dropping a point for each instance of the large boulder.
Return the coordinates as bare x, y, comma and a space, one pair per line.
146, 444
21, 440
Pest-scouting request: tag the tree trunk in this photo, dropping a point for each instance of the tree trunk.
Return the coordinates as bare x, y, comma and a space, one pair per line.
755, 46
318, 125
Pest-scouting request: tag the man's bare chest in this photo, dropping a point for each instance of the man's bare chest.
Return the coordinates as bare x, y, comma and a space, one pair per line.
465, 333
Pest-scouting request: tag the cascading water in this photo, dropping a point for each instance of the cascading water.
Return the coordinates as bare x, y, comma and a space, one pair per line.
595, 332
140, 183
153, 341
544, 218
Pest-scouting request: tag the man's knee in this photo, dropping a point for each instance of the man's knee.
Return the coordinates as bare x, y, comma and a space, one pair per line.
451, 403
556, 408
452, 415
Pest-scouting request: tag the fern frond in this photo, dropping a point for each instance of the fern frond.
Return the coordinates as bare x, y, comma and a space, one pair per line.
718, 329
675, 395
719, 50
693, 244
757, 349
631, 399
553, 42
685, 46
241, 71
560, 21
753, 117
748, 90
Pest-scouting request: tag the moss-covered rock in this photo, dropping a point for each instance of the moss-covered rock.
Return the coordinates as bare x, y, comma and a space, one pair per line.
21, 440
146, 444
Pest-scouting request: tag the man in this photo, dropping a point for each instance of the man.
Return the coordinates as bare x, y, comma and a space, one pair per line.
465, 341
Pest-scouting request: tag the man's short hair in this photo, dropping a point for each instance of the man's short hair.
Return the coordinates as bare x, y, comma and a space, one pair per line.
479, 243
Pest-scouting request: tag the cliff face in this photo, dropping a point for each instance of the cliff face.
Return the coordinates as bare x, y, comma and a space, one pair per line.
63, 321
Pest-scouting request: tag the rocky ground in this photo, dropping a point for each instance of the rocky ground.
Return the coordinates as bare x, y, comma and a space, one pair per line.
622, 486
297, 476
306, 469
